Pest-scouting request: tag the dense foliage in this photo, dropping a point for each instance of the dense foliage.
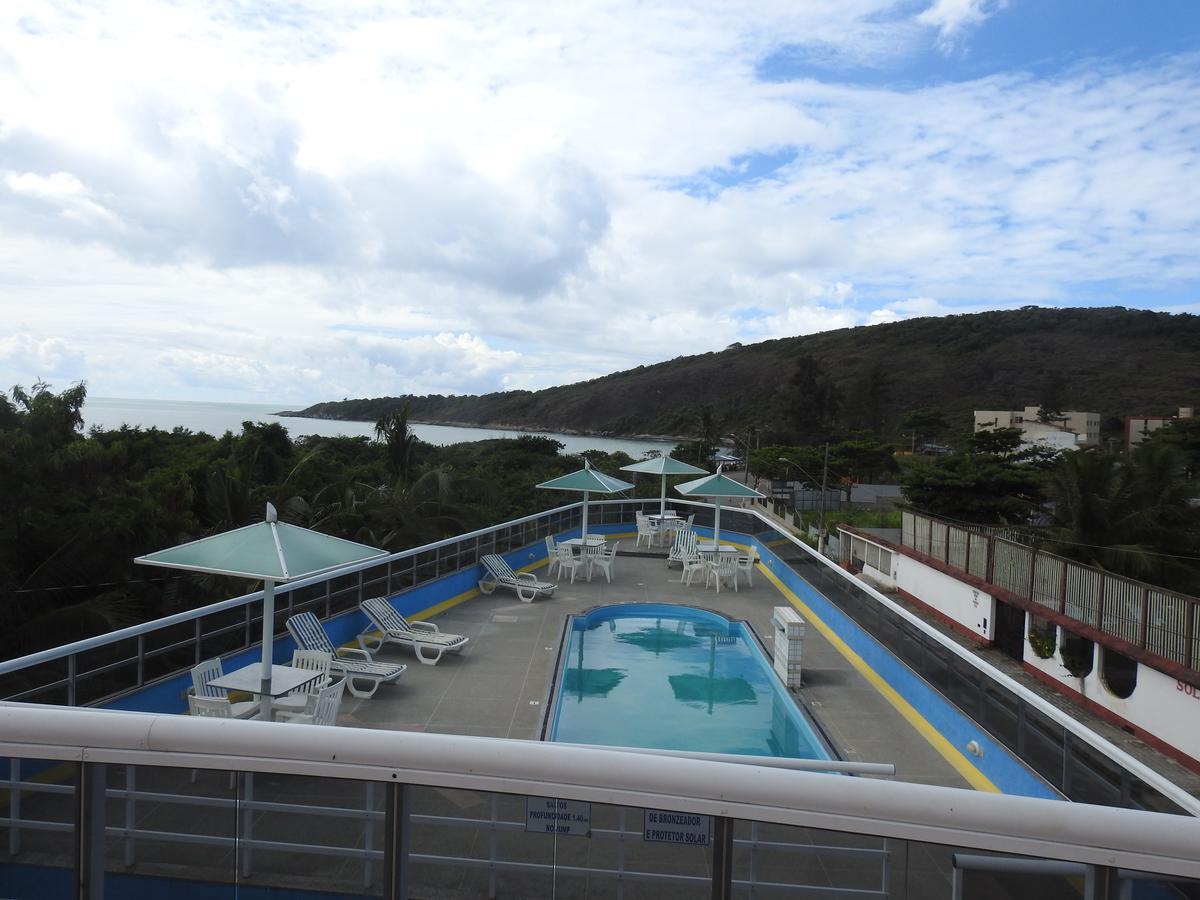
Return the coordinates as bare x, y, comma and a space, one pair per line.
76, 509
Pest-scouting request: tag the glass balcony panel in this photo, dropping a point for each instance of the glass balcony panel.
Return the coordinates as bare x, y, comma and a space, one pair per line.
472, 844
37, 814
311, 834
168, 831
780, 860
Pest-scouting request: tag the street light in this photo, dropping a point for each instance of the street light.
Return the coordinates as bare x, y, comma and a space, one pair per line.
821, 507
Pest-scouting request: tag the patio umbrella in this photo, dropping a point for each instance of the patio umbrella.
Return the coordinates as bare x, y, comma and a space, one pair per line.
716, 486
272, 551
664, 466
589, 481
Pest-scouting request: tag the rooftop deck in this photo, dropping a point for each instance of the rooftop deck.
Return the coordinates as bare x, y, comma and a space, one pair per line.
500, 685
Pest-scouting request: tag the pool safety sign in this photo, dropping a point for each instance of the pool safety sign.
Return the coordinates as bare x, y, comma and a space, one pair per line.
662, 826
545, 815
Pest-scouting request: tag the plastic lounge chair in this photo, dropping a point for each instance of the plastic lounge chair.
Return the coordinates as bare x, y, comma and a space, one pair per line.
745, 563
684, 546
567, 559
604, 561
206, 672
297, 700
356, 665
427, 640
500, 574
322, 708
551, 556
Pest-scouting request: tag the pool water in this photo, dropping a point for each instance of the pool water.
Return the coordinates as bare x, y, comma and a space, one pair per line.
675, 678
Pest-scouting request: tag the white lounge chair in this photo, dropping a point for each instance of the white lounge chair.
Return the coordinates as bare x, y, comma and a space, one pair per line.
354, 664
568, 559
604, 561
297, 700
427, 640
322, 708
745, 563
684, 546
500, 574
206, 672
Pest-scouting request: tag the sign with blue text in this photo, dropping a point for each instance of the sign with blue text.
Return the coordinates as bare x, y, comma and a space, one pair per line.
545, 815
662, 826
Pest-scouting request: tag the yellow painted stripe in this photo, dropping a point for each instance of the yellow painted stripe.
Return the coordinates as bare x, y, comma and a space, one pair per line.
948, 751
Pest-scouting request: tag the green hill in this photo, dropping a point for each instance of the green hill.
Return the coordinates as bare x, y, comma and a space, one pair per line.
1114, 361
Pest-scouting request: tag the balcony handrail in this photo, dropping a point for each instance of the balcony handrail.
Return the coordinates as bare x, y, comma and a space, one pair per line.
1169, 789
955, 817
100, 640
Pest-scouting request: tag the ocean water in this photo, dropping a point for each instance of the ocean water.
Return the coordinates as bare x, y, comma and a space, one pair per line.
217, 418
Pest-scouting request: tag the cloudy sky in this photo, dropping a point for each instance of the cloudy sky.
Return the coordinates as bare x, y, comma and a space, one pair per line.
276, 201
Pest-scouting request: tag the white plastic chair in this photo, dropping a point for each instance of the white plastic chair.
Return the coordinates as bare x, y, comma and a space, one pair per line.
322, 708
723, 565
745, 564
604, 561
297, 700
210, 707
205, 673
551, 556
683, 547
692, 565
568, 560
645, 531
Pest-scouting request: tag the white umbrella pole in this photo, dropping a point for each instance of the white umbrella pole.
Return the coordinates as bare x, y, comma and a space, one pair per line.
585, 506
662, 501
717, 527
268, 652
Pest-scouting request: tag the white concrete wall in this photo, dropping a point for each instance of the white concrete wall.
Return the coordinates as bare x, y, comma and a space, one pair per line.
1161, 705
972, 608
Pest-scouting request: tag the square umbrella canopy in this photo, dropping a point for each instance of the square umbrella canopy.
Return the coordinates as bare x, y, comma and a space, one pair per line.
270, 550
589, 481
664, 466
717, 486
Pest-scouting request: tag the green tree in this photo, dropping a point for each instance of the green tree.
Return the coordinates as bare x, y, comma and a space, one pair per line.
992, 481
813, 401
399, 442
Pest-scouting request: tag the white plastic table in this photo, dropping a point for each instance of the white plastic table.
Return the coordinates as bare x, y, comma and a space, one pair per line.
284, 680
710, 547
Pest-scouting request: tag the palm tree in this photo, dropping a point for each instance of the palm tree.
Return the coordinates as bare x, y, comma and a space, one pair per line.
1131, 515
393, 432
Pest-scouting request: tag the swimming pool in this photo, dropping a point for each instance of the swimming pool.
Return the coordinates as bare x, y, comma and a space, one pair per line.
674, 678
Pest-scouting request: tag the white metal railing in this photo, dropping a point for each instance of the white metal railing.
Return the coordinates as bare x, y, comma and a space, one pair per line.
1044, 829
1074, 727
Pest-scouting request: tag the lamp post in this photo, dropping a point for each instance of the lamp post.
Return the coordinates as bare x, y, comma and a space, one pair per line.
821, 507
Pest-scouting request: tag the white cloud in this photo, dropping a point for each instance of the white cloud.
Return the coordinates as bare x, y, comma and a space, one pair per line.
952, 18
198, 201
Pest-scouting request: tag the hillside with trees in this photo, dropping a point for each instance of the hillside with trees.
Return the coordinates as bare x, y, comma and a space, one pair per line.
1114, 361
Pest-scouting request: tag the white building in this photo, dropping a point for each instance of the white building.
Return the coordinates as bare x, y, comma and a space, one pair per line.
1138, 428
1066, 431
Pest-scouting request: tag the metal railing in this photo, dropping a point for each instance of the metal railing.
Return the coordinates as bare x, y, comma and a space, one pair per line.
99, 669
403, 766
1161, 622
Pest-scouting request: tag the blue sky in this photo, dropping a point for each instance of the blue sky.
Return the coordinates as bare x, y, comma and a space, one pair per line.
335, 199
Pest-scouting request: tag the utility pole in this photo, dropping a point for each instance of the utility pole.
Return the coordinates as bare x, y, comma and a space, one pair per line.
824, 482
